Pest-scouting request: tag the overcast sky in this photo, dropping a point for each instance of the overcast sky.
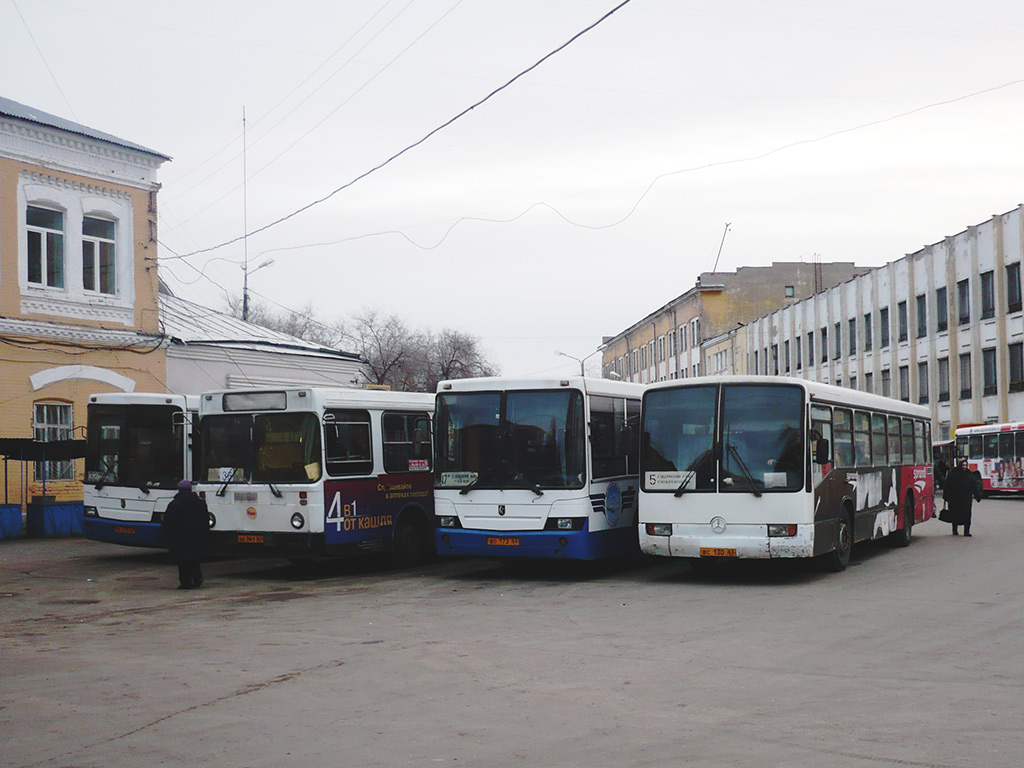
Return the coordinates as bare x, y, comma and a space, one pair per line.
585, 195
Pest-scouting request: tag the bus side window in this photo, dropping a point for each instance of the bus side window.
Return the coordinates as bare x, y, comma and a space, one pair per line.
821, 434
347, 442
842, 421
406, 442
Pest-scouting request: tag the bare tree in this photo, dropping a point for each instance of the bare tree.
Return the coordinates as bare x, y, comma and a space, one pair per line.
396, 355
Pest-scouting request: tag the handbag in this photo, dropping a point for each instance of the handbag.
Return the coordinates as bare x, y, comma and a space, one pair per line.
944, 514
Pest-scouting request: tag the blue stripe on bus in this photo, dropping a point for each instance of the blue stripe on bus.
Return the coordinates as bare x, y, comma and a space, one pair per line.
580, 545
119, 532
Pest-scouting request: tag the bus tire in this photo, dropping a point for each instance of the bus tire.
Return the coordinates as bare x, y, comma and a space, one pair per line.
410, 545
901, 538
837, 560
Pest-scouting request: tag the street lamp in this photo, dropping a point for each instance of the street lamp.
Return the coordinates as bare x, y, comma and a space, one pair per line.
579, 359
245, 284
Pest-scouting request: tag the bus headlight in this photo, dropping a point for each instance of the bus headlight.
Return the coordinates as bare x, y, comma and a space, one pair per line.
782, 530
447, 521
564, 524
298, 521
213, 520
90, 512
659, 529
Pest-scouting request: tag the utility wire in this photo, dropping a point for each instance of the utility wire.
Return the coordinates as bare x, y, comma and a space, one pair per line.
45, 62
412, 146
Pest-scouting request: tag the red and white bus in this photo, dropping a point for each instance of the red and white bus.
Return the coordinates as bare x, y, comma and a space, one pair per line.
776, 467
311, 472
996, 452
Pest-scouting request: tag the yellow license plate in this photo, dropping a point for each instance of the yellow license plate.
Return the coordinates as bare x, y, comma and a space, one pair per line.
124, 529
250, 538
717, 552
502, 541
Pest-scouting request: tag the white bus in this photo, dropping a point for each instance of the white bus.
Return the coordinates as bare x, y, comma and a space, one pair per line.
996, 452
138, 447
311, 472
776, 467
536, 467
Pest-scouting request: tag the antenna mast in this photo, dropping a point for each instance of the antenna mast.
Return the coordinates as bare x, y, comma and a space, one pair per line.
245, 229
726, 232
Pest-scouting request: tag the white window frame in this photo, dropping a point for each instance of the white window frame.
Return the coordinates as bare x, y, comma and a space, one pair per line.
96, 244
43, 233
47, 430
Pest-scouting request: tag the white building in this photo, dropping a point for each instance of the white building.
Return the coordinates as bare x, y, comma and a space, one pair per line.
209, 350
942, 327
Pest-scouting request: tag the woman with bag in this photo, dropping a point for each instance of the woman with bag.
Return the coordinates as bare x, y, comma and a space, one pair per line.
959, 492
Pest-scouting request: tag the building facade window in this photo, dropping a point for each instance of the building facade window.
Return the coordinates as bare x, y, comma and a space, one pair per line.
988, 367
810, 349
53, 421
965, 376
901, 322
1016, 360
824, 345
922, 382
853, 382
905, 383
837, 334
943, 393
922, 316
988, 295
867, 332
799, 356
785, 348
790, 291
775, 359
941, 310
1013, 287
869, 382
886, 383
883, 327
756, 371
45, 246
853, 336
963, 302
99, 267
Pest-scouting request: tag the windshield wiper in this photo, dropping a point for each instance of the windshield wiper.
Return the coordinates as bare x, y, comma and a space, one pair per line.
751, 482
231, 477
518, 476
144, 489
682, 485
104, 477
274, 490
469, 486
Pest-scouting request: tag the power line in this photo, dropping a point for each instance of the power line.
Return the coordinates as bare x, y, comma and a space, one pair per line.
45, 62
415, 144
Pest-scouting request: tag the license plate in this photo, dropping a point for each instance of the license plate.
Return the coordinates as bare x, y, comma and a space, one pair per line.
717, 552
250, 538
124, 529
503, 541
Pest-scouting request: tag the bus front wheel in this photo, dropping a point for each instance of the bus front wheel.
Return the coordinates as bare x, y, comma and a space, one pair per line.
837, 560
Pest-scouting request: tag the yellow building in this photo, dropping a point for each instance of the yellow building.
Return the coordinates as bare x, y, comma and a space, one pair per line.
700, 332
78, 284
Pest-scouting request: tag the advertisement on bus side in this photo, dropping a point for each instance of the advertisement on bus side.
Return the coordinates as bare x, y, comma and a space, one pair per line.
365, 510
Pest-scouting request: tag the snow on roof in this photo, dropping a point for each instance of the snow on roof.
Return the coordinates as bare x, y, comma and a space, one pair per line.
32, 115
187, 323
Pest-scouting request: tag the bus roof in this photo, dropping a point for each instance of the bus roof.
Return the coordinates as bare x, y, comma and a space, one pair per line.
186, 402
816, 391
328, 397
988, 429
593, 386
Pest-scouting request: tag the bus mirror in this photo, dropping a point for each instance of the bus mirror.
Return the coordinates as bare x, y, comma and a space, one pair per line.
821, 451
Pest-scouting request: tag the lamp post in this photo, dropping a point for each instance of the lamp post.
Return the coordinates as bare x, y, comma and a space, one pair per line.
245, 285
579, 359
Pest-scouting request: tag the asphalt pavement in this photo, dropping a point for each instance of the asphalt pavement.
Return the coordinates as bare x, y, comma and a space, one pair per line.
911, 657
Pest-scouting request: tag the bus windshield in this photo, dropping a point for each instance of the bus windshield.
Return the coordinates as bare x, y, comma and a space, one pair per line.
260, 448
737, 437
139, 446
519, 439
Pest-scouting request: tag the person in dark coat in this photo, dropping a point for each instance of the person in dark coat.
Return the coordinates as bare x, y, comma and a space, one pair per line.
184, 528
959, 492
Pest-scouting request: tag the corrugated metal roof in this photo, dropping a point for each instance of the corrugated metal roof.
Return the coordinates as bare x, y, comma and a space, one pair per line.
187, 323
32, 115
